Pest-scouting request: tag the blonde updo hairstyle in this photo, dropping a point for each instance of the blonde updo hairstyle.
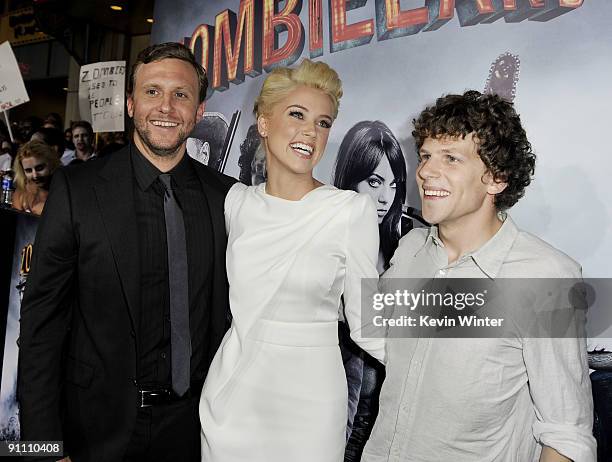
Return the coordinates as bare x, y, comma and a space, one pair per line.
283, 80
36, 149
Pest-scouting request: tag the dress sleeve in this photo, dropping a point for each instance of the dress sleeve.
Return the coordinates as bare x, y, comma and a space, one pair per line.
232, 196
362, 277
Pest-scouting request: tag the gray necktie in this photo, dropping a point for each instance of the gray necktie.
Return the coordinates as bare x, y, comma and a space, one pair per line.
177, 278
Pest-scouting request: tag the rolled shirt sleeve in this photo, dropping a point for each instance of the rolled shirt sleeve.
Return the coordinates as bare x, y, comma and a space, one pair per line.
561, 391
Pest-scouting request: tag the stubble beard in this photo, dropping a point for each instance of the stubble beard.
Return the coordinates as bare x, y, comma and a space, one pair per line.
160, 151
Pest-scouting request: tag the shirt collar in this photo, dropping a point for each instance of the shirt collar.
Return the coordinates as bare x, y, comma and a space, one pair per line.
431, 240
491, 256
146, 173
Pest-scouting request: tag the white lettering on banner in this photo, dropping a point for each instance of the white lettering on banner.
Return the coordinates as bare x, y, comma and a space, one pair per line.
102, 95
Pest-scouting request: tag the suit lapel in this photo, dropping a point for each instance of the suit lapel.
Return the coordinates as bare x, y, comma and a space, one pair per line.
114, 191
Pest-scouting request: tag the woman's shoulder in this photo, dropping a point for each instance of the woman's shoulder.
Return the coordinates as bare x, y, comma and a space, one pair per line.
236, 194
238, 188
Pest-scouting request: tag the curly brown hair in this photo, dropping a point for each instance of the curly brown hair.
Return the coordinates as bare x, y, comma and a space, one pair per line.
501, 140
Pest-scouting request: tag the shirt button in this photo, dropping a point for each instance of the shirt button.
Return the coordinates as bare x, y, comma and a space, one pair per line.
163, 355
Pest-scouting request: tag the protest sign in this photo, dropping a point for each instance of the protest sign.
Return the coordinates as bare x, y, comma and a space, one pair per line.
102, 95
12, 89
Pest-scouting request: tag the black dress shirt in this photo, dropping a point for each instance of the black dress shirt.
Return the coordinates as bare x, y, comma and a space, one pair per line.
154, 349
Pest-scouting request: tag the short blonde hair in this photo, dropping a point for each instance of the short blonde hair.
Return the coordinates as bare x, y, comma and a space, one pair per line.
283, 80
36, 149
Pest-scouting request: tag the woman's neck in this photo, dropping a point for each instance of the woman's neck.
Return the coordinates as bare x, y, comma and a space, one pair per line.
289, 185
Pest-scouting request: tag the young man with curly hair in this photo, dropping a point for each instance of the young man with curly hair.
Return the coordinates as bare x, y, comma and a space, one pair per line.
479, 399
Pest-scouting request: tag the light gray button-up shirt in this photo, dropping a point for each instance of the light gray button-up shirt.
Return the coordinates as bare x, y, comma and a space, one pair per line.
483, 399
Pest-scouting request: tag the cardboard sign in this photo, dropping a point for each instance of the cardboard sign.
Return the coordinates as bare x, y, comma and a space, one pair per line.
102, 95
12, 89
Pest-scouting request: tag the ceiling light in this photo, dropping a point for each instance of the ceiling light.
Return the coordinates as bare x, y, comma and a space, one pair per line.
150, 20
116, 7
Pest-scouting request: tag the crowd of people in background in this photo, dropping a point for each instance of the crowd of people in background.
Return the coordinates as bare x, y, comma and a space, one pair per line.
39, 146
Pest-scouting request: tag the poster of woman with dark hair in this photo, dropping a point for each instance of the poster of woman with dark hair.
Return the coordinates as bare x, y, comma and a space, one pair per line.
370, 160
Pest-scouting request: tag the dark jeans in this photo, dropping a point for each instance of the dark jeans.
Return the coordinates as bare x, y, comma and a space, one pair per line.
601, 382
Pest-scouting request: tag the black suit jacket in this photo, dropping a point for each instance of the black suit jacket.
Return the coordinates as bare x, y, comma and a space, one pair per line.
77, 358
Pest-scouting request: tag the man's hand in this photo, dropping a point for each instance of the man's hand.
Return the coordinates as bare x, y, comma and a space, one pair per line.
65, 459
550, 455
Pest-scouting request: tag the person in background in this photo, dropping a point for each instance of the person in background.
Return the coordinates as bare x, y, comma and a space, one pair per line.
120, 138
252, 160
53, 137
26, 127
370, 160
53, 120
68, 140
34, 166
6, 154
83, 139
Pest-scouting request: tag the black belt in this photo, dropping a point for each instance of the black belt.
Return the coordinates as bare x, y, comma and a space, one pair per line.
152, 396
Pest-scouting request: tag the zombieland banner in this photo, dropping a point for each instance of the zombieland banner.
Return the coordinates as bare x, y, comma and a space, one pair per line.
550, 56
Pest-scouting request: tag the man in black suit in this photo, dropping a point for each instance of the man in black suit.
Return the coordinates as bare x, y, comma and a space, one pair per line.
126, 302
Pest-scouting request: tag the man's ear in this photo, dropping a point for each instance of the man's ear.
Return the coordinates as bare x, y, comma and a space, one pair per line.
494, 186
130, 106
262, 126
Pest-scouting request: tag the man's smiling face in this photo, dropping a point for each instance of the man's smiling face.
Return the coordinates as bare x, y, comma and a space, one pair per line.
453, 181
165, 106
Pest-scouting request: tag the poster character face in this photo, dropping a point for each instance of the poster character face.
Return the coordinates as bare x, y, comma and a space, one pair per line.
165, 106
453, 182
258, 169
36, 170
251, 169
198, 150
370, 160
381, 186
295, 133
206, 141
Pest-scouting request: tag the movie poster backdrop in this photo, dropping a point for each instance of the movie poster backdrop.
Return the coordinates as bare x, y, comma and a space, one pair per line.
551, 57
26, 226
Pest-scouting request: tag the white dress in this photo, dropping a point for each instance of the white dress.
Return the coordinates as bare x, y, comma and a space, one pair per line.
276, 389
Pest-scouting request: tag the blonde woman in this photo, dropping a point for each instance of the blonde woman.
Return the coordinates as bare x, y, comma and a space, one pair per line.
34, 165
276, 389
